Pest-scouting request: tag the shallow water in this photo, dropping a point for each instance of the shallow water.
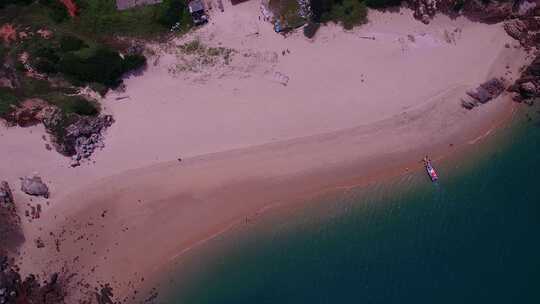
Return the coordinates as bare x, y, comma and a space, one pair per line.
472, 238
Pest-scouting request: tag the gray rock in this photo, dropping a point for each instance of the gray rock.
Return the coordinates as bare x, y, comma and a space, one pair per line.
468, 102
34, 186
483, 93
6, 197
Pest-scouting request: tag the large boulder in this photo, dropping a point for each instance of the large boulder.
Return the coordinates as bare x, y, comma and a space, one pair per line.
34, 186
483, 93
6, 197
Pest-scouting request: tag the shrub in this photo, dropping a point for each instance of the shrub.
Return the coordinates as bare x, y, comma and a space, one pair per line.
70, 43
4, 3
98, 65
310, 29
73, 104
45, 59
382, 3
83, 107
99, 88
171, 12
347, 12
320, 8
93, 65
133, 62
7, 101
57, 10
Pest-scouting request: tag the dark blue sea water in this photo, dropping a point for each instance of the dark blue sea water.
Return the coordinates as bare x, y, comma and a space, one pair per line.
473, 238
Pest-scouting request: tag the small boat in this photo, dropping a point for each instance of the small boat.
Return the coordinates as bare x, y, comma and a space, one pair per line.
431, 171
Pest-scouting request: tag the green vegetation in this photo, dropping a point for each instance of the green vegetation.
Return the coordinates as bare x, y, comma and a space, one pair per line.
4, 3
348, 13
171, 12
63, 98
8, 100
78, 51
287, 12
382, 3
57, 11
73, 104
97, 64
310, 29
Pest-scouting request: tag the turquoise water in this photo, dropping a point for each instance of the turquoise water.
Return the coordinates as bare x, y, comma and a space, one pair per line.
473, 238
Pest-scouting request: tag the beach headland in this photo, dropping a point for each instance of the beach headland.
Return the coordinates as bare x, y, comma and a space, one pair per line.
199, 146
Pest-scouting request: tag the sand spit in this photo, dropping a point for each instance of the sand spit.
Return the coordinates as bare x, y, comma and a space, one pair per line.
259, 119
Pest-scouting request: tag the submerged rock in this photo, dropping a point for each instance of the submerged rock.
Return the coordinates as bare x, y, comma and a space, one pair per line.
34, 186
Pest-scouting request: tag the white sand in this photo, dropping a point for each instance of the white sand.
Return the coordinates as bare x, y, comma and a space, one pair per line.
414, 75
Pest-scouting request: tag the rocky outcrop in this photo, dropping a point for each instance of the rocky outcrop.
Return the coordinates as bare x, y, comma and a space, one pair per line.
525, 29
29, 112
527, 87
6, 197
424, 10
76, 136
13, 289
516, 29
84, 136
485, 11
482, 94
34, 186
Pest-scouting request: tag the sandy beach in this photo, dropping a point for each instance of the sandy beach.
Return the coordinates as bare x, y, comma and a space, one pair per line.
284, 119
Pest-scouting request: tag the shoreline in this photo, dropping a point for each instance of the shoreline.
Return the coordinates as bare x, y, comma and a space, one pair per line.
464, 150
305, 187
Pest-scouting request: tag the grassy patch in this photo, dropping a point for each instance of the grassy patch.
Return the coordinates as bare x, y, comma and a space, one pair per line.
192, 47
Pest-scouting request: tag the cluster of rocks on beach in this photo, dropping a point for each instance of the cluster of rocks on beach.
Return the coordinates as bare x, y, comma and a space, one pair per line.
76, 136
57, 287
521, 21
482, 94
83, 137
